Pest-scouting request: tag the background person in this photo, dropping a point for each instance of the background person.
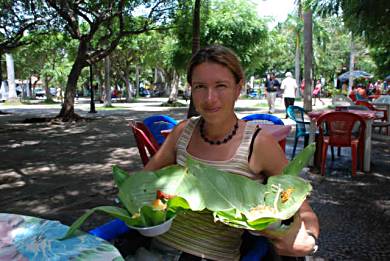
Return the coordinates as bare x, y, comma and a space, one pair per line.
289, 86
302, 88
218, 138
361, 93
317, 92
271, 91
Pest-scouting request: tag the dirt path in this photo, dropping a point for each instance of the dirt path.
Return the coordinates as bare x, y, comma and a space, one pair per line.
58, 171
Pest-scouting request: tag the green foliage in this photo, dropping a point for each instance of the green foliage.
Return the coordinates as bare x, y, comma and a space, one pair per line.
232, 23
20, 21
381, 56
47, 57
300, 161
364, 18
235, 24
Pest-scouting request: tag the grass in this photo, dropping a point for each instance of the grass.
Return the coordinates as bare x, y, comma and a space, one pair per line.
13, 102
260, 105
30, 101
111, 108
173, 104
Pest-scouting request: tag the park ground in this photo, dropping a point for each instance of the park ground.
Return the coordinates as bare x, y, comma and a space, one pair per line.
57, 170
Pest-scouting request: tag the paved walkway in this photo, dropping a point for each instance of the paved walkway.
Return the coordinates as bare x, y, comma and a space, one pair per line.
57, 171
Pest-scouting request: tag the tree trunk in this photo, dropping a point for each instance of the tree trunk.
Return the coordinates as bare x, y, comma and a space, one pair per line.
107, 82
351, 65
46, 87
155, 76
298, 52
308, 59
29, 94
101, 85
195, 48
196, 28
67, 111
1, 68
11, 77
137, 72
129, 95
174, 87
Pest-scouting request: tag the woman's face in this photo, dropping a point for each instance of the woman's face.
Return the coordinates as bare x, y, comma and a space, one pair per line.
214, 91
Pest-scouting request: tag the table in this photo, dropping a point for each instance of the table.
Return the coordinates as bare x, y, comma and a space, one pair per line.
368, 116
32, 238
279, 132
384, 101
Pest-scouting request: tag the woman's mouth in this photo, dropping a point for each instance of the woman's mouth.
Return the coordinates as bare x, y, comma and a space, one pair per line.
211, 109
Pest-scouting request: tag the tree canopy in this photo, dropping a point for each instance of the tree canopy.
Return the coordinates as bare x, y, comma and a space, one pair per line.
369, 19
152, 40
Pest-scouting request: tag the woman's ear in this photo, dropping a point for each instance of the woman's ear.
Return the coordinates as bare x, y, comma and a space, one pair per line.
239, 87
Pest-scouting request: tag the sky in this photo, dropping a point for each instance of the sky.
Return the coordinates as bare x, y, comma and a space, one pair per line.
278, 9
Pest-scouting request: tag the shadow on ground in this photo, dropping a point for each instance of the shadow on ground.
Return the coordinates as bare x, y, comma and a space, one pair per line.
58, 171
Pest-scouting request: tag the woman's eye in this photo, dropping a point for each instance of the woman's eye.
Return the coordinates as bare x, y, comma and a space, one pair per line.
199, 86
221, 86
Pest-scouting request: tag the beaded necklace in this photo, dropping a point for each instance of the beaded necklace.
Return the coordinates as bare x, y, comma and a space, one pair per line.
217, 142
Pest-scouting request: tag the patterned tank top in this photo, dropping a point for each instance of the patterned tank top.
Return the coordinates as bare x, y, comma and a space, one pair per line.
196, 232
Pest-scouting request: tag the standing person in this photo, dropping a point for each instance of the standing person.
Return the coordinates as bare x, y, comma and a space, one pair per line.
361, 93
317, 92
289, 87
271, 91
219, 139
370, 88
302, 87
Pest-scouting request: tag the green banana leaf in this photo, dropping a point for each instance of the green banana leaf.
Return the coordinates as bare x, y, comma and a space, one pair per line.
300, 161
234, 200
120, 213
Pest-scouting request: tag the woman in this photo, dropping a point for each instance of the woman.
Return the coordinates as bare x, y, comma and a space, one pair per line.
218, 138
317, 92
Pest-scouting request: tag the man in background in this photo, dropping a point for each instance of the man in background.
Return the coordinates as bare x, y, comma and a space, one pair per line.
272, 86
289, 86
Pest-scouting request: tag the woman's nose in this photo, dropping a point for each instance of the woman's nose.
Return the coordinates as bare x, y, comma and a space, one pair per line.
211, 94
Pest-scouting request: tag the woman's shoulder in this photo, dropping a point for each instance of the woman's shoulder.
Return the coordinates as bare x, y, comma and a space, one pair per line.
264, 138
267, 155
179, 128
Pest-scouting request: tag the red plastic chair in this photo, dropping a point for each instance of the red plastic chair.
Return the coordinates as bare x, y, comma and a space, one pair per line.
380, 125
372, 108
146, 143
340, 129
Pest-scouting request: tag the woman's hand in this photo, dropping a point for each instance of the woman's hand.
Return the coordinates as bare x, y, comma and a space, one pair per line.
294, 241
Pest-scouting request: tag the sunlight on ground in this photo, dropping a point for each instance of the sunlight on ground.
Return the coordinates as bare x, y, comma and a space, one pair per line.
380, 176
38, 169
11, 179
23, 143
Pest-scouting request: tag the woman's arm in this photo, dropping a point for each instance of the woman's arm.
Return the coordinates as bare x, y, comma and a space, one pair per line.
297, 241
166, 155
267, 156
269, 159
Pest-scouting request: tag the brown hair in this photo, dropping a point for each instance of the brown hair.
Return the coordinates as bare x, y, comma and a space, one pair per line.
219, 55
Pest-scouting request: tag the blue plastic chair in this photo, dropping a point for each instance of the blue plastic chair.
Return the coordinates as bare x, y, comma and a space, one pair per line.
157, 123
297, 113
111, 229
263, 118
